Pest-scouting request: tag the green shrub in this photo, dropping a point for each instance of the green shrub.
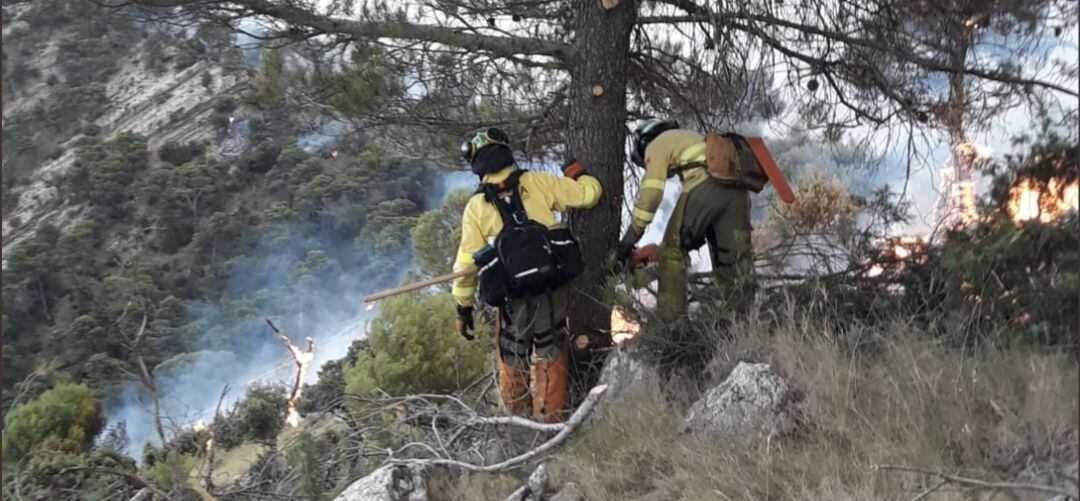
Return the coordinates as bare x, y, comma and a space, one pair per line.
67, 105
437, 233
65, 418
261, 158
325, 394
188, 53
259, 417
102, 171
179, 154
84, 59
63, 475
414, 349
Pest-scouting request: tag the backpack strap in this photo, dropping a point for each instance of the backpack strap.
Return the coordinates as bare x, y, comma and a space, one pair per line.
514, 211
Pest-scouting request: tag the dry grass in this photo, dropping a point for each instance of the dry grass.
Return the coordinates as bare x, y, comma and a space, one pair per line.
876, 397
888, 395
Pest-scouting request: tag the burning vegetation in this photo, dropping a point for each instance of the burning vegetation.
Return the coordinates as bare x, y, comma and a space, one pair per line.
1046, 202
957, 205
301, 358
623, 329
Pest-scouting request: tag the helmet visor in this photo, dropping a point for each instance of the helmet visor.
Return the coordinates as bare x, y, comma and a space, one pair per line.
467, 151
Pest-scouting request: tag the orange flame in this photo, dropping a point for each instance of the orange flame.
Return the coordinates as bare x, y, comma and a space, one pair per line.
334, 153
292, 418
1028, 201
875, 271
622, 328
958, 190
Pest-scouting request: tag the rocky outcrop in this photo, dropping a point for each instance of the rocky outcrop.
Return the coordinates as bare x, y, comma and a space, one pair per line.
390, 483
174, 106
752, 402
626, 375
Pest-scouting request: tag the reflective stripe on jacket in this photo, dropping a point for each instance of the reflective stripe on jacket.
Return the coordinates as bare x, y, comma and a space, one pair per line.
670, 149
542, 194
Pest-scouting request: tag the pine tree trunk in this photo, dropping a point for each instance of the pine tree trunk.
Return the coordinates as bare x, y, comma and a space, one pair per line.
596, 136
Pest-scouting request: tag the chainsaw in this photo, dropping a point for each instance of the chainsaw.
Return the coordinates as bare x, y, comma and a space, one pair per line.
644, 256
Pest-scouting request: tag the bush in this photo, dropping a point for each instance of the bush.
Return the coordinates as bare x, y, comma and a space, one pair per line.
102, 171
65, 418
437, 233
188, 53
67, 105
261, 158
90, 130
260, 416
59, 475
83, 59
414, 350
179, 154
330, 387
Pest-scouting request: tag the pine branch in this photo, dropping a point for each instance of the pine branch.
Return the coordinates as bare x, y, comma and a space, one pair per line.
502, 46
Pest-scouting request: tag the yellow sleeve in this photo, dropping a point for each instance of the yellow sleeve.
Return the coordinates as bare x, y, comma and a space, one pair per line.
472, 240
651, 191
566, 193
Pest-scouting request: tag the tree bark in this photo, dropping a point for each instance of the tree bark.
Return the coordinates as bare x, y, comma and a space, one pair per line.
596, 135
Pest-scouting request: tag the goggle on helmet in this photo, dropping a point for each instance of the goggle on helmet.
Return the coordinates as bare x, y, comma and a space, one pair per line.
472, 146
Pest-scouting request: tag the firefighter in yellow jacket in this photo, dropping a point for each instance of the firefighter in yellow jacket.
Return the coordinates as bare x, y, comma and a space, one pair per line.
708, 211
532, 340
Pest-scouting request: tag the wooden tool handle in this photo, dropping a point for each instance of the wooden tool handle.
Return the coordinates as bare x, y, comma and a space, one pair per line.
371, 298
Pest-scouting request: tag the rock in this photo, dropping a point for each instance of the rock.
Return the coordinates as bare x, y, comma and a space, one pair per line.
538, 482
569, 492
390, 483
751, 403
535, 487
626, 376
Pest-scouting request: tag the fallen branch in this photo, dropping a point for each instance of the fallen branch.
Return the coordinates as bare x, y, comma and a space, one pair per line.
981, 484
204, 495
516, 421
130, 477
565, 429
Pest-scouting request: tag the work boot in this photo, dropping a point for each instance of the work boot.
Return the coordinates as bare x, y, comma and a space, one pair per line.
549, 389
513, 390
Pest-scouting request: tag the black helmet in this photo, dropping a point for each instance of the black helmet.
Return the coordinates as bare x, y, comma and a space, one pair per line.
473, 145
645, 133
484, 160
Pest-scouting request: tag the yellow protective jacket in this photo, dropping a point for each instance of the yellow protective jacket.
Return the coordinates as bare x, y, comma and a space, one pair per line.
670, 149
542, 195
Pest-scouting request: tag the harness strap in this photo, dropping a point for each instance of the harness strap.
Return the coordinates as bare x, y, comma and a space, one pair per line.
680, 169
511, 213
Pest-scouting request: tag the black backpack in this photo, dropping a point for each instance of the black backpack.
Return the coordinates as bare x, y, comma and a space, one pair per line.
527, 258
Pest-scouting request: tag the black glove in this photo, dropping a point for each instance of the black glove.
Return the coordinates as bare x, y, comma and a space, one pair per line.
626, 246
463, 322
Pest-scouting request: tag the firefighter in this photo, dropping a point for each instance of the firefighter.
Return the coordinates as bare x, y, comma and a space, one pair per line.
531, 340
707, 211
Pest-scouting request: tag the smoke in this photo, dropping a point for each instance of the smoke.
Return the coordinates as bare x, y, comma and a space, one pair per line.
324, 137
190, 385
297, 277
450, 181
248, 42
